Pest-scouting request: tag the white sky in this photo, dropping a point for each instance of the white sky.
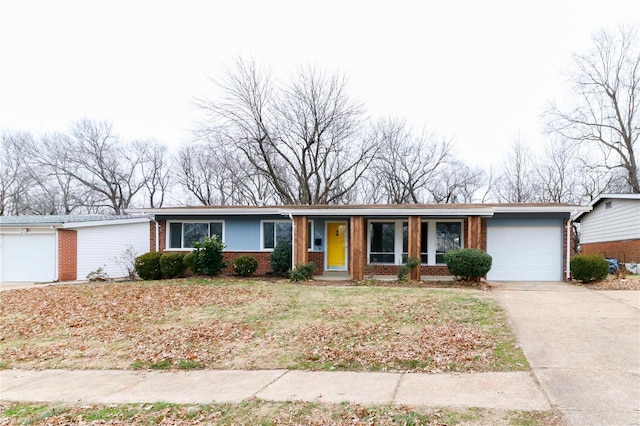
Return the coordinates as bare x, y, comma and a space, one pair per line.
477, 72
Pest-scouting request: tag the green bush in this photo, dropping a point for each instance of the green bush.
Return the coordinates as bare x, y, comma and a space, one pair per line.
303, 272
189, 262
468, 264
209, 257
589, 267
245, 265
405, 269
172, 264
281, 259
148, 266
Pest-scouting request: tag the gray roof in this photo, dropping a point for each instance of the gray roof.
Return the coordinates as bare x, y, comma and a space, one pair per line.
60, 219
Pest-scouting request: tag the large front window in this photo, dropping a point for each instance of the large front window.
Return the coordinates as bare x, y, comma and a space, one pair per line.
389, 241
182, 235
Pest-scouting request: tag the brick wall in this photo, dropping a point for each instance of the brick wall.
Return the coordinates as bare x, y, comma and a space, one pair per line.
152, 236
623, 251
392, 270
67, 255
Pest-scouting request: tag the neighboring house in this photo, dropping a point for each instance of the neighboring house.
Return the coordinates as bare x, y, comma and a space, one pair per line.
612, 227
61, 248
528, 242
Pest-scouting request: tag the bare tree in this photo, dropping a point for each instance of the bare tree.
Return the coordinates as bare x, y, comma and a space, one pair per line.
516, 181
406, 163
305, 136
456, 182
606, 113
155, 171
15, 180
95, 157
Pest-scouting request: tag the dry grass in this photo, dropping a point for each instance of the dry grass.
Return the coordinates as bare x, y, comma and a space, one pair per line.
222, 324
265, 413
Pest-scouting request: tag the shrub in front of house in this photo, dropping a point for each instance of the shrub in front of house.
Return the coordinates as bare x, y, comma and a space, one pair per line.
589, 267
189, 261
245, 265
148, 266
468, 264
209, 256
405, 270
281, 259
303, 272
172, 264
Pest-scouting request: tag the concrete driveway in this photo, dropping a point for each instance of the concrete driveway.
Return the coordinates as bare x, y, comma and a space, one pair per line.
583, 346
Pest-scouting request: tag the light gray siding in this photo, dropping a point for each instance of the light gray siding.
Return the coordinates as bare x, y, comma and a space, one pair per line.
620, 221
100, 246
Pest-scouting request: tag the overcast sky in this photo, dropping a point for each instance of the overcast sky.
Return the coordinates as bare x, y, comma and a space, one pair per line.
477, 72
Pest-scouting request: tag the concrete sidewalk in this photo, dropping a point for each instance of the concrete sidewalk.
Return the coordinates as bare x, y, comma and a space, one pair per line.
513, 391
583, 346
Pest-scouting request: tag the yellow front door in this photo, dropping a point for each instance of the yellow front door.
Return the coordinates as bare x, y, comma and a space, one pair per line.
336, 245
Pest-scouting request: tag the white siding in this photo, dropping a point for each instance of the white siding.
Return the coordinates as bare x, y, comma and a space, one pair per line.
99, 246
619, 222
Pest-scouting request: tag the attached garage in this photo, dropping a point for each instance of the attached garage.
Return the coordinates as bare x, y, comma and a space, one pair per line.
28, 256
525, 249
66, 248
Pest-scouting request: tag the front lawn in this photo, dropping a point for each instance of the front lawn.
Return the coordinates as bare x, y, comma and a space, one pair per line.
227, 324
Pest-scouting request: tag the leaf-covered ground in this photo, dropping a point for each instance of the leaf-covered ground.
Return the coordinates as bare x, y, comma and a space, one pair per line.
264, 413
234, 324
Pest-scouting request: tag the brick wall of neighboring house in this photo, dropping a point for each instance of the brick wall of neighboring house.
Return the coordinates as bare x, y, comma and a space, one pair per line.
67, 255
152, 236
624, 251
162, 235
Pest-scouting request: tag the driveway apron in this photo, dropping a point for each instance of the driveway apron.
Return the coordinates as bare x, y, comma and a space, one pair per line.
583, 346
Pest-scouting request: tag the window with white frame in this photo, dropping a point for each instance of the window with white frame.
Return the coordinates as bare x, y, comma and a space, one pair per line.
182, 235
276, 231
389, 241
448, 237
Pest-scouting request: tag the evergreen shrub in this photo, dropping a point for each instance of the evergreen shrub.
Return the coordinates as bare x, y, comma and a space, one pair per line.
245, 265
148, 266
468, 264
172, 264
281, 259
589, 267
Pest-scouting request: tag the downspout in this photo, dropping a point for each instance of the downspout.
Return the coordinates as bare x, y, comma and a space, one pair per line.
293, 242
568, 254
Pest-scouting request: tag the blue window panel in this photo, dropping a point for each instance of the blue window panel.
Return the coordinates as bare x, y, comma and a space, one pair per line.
242, 234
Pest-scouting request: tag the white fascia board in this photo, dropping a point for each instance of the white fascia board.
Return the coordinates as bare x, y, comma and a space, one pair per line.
389, 212
74, 225
206, 211
541, 209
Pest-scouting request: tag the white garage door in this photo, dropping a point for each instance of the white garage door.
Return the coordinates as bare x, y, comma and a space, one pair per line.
28, 257
525, 253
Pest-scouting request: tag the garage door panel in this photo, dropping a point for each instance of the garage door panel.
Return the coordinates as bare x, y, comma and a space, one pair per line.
28, 257
525, 253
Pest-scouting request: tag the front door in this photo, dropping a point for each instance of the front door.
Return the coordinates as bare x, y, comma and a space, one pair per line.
337, 245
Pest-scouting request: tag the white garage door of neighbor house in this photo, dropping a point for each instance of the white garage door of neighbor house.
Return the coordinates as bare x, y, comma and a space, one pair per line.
28, 257
525, 253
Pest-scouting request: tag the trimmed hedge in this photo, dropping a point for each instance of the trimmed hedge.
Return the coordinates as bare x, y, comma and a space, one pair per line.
245, 265
468, 264
148, 266
589, 267
172, 264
